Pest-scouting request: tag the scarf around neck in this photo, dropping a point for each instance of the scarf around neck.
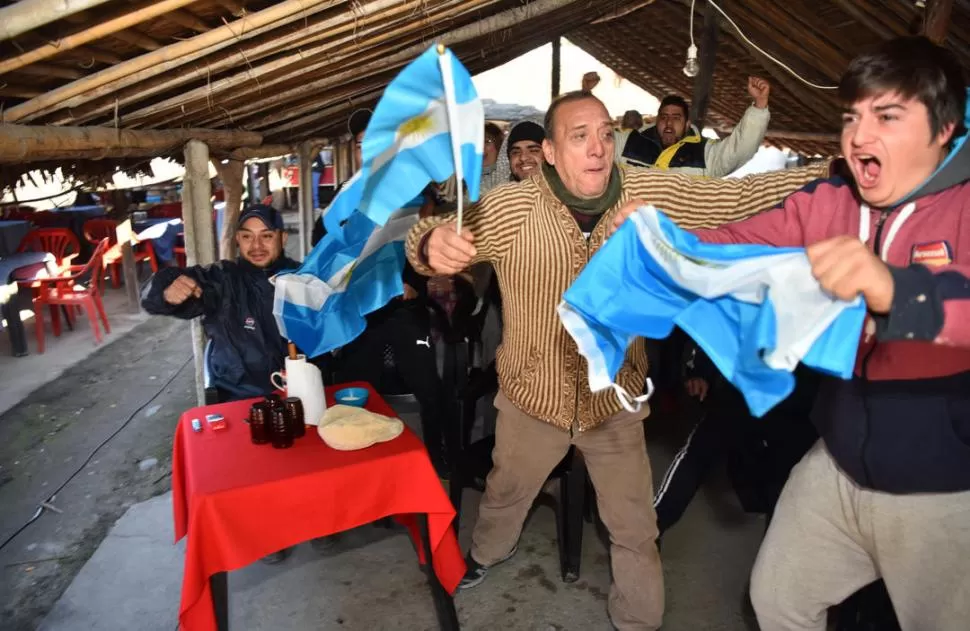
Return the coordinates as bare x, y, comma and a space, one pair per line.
589, 207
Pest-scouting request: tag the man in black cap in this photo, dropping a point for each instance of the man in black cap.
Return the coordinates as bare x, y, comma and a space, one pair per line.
235, 300
524, 147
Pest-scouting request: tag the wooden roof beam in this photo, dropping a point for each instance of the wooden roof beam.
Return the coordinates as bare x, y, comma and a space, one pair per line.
937, 19
373, 21
166, 59
236, 7
50, 70
144, 11
356, 23
188, 20
480, 28
135, 38
92, 53
142, 85
18, 91
27, 15
622, 11
704, 83
27, 143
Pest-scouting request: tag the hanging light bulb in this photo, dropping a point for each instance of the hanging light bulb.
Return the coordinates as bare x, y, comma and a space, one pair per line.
692, 67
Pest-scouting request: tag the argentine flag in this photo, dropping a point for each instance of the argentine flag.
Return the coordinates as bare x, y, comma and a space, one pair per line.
356, 268
756, 310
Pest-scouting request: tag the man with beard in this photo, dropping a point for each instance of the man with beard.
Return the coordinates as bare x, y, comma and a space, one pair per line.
524, 148
675, 144
235, 301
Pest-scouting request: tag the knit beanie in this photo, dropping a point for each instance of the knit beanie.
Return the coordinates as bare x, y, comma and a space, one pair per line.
526, 130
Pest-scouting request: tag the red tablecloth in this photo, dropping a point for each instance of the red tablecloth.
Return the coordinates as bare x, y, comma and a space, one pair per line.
239, 502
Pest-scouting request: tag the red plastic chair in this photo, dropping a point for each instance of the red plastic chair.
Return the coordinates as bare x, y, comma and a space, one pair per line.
60, 242
81, 287
96, 230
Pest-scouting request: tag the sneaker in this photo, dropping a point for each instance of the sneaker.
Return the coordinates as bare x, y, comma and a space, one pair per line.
276, 557
324, 545
476, 572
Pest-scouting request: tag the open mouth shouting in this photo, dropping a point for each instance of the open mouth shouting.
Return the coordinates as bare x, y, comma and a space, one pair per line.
866, 168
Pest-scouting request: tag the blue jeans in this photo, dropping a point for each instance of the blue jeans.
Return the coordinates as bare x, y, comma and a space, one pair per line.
315, 182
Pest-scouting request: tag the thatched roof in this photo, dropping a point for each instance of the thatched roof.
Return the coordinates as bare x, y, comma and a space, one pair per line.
292, 70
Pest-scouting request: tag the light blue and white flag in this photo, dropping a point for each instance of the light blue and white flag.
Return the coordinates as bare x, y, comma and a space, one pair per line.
356, 268
428, 125
756, 310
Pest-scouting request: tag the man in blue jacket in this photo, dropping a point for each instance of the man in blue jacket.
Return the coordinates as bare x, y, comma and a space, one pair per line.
235, 301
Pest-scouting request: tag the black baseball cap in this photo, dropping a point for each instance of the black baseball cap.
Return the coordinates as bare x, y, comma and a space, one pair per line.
267, 214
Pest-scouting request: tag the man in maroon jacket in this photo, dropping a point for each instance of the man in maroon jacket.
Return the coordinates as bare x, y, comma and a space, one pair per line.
886, 491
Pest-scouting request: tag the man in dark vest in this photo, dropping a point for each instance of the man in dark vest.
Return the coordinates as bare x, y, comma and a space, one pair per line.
674, 143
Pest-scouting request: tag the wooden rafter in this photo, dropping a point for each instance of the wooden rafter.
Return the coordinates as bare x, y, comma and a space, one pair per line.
133, 37
142, 12
188, 19
236, 7
375, 25
18, 91
937, 21
168, 58
313, 47
50, 70
485, 26
27, 15
91, 54
25, 143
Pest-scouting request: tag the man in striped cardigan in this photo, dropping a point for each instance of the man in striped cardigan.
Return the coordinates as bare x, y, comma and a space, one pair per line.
538, 235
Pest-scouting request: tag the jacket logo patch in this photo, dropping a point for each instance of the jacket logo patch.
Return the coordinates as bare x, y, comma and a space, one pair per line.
933, 254
250, 324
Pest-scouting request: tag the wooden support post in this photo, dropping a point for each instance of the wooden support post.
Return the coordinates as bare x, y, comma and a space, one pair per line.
556, 66
704, 83
306, 198
336, 161
231, 173
937, 21
124, 234
199, 240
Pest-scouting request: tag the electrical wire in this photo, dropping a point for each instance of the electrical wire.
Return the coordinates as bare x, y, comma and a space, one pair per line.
755, 46
50, 499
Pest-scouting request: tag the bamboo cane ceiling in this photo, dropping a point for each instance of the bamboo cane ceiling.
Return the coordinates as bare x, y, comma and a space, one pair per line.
298, 75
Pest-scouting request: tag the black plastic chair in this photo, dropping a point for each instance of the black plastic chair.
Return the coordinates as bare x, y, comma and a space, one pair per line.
472, 461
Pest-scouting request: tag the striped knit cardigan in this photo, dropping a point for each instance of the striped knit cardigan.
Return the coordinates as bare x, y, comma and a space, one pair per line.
537, 250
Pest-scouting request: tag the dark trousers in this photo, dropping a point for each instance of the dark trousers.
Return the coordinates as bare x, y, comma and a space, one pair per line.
406, 329
760, 452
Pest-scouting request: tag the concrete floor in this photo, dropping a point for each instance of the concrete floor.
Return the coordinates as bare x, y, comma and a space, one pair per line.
22, 375
107, 561
371, 579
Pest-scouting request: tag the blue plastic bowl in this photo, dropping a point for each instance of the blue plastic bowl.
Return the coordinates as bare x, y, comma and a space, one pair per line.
356, 397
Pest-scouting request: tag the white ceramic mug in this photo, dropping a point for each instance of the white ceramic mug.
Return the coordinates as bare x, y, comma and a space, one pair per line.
281, 375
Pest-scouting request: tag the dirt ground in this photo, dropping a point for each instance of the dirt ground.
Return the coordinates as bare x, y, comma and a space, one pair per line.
95, 431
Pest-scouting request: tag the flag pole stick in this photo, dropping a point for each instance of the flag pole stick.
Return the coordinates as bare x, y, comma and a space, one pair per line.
451, 106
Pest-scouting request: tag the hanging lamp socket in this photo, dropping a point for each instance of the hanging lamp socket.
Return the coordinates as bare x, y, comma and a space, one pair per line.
692, 67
